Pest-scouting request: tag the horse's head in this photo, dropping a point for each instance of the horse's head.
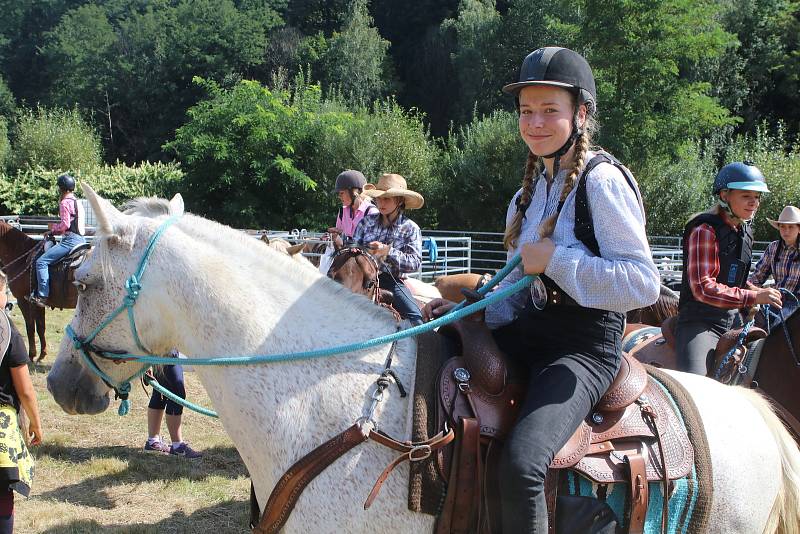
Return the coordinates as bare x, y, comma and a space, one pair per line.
357, 270
105, 281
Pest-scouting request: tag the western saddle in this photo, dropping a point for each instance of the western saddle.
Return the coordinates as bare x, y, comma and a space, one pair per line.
659, 349
630, 437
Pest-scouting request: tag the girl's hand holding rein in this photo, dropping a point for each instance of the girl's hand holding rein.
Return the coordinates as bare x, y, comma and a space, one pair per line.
536, 256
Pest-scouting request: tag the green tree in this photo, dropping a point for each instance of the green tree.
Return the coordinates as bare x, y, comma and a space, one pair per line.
5, 147
259, 157
7, 104
239, 149
355, 62
473, 35
481, 170
132, 62
54, 139
640, 51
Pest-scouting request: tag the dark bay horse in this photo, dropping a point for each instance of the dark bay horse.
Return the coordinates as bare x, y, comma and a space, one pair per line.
666, 306
17, 254
772, 368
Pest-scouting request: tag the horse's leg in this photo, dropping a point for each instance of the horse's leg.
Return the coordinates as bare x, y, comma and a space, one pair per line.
745, 456
40, 328
28, 312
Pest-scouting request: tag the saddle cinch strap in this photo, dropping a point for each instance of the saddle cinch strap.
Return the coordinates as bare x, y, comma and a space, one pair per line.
632, 433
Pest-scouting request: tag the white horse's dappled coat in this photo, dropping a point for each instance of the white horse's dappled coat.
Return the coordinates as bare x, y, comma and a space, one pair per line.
212, 291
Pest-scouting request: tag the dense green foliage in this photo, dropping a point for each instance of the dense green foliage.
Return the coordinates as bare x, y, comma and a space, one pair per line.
5, 146
35, 191
260, 157
390, 85
54, 139
673, 193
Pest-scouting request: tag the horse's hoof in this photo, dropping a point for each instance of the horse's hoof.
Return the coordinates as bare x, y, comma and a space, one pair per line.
40, 358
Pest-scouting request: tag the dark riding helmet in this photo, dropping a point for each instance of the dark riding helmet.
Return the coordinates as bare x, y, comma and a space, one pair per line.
559, 67
740, 175
349, 180
66, 182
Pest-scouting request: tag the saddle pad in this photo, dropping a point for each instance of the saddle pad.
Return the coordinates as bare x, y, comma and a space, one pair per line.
426, 486
690, 499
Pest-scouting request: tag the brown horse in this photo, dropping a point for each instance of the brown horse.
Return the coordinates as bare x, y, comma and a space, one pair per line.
666, 306
773, 368
357, 270
17, 254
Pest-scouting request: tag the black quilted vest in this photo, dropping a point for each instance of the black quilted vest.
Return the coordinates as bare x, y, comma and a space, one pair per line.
735, 253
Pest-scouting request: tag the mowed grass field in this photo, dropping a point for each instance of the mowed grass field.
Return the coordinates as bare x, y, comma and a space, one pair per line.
93, 476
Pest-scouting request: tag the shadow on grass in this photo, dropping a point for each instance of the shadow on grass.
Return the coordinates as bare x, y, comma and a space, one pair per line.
229, 517
221, 462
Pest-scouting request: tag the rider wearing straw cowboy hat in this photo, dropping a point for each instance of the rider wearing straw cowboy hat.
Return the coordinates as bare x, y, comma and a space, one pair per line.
782, 260
394, 239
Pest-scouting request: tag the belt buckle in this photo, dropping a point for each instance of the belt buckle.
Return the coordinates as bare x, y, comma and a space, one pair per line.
538, 294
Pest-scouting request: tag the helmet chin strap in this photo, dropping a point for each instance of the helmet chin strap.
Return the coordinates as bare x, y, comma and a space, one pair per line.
574, 133
727, 207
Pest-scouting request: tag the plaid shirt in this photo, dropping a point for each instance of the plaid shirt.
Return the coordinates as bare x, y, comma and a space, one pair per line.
702, 269
785, 268
403, 235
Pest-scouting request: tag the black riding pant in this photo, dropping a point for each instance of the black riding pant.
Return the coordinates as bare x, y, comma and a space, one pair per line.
696, 335
404, 302
573, 354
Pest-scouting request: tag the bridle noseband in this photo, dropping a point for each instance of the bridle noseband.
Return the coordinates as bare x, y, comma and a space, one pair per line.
85, 346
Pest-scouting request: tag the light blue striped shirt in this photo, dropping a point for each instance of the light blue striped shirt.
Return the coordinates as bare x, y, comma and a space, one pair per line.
622, 279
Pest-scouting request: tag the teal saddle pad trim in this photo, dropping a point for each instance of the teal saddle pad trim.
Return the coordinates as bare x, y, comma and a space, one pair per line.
681, 503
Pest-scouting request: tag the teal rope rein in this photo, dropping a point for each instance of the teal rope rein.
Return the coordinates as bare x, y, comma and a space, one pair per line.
179, 400
133, 287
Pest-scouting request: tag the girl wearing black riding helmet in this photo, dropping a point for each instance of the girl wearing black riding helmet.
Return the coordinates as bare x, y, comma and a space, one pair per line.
568, 329
349, 186
717, 253
71, 226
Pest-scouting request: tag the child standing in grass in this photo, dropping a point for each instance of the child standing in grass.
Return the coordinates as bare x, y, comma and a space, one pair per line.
16, 463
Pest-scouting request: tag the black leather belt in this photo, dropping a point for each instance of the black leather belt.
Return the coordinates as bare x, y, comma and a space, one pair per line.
557, 296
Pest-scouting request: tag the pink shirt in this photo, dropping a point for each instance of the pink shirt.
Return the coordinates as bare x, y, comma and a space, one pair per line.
346, 223
66, 212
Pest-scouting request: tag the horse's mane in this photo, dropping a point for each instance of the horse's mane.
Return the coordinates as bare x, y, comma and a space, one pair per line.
233, 243
151, 207
15, 236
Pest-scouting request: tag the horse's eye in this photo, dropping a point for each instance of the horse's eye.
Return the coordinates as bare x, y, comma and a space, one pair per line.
80, 285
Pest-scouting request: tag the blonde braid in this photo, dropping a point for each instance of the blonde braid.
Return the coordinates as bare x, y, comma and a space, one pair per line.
513, 230
581, 148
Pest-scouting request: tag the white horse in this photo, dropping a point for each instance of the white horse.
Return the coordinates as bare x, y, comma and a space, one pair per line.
207, 291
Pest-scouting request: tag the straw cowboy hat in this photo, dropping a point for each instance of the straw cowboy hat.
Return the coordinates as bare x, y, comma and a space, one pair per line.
789, 215
394, 185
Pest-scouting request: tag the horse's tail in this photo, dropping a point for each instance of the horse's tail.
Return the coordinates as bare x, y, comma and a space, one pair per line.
784, 518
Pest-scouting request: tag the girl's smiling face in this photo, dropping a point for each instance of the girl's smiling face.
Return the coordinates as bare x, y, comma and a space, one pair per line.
545, 117
743, 204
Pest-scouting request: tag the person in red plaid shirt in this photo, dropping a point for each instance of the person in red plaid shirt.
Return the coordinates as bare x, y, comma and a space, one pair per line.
717, 253
781, 260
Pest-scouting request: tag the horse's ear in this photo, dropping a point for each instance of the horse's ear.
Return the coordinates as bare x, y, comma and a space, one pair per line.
294, 249
104, 212
176, 205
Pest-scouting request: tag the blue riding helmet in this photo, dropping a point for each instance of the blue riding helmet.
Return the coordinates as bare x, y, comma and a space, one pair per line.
740, 175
